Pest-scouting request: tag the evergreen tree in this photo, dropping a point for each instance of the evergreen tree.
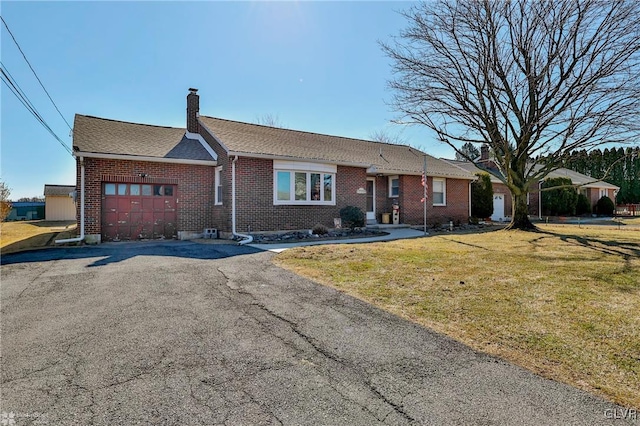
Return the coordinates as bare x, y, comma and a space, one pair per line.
482, 196
467, 151
561, 199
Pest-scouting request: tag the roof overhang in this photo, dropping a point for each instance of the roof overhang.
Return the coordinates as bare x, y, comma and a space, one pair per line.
78, 154
292, 158
373, 170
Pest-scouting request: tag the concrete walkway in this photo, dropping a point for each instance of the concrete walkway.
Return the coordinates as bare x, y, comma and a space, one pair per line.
394, 234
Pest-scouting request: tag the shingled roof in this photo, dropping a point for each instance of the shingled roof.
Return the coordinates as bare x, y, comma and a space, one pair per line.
58, 190
580, 179
103, 136
576, 178
257, 140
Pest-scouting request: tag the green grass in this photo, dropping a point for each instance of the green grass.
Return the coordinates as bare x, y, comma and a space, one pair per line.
564, 303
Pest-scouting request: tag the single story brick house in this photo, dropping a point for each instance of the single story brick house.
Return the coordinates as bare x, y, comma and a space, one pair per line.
59, 202
502, 202
144, 181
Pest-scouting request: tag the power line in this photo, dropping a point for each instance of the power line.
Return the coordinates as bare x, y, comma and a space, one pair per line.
14, 82
34, 72
15, 89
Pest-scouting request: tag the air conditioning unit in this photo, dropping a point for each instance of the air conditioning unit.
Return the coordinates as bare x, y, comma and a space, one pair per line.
210, 233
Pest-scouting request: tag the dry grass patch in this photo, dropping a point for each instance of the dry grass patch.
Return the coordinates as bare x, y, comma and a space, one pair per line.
564, 303
17, 236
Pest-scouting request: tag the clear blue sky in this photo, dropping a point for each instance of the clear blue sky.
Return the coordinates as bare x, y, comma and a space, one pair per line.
317, 66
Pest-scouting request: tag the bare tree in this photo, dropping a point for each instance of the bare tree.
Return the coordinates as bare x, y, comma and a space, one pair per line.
37, 199
386, 137
270, 120
533, 79
5, 204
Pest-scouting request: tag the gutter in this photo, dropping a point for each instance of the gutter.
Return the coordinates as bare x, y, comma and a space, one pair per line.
81, 237
247, 238
147, 158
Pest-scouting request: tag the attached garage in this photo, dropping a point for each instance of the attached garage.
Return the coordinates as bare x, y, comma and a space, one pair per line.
135, 211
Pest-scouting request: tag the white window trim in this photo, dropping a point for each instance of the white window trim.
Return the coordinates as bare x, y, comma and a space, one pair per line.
292, 183
218, 185
391, 179
444, 190
303, 166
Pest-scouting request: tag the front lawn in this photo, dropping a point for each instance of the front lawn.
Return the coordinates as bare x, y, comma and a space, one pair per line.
564, 303
26, 235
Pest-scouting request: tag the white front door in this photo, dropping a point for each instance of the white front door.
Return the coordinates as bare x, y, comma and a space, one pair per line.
371, 199
498, 207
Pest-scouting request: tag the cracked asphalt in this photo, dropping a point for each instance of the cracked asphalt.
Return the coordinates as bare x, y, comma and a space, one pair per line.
180, 333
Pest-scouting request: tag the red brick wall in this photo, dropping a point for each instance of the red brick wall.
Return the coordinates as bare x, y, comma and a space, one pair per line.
593, 194
412, 210
221, 214
256, 212
194, 189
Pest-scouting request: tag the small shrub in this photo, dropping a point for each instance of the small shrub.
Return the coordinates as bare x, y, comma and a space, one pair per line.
583, 206
320, 229
473, 220
352, 217
605, 207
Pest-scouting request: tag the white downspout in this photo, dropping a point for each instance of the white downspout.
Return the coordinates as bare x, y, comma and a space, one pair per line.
470, 182
81, 237
247, 238
540, 200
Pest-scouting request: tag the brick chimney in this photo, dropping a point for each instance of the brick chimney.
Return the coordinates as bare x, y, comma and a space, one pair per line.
484, 153
193, 110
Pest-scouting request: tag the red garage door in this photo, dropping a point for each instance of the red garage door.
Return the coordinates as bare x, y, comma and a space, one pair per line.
135, 211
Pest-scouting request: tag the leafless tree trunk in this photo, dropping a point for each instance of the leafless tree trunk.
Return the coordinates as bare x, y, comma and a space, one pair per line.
533, 79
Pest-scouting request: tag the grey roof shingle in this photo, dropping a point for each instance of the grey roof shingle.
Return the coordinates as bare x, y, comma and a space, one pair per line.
576, 178
254, 139
58, 190
580, 179
103, 136
189, 148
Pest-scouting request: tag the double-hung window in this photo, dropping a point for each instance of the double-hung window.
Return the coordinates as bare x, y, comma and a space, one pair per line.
394, 186
218, 184
439, 192
304, 183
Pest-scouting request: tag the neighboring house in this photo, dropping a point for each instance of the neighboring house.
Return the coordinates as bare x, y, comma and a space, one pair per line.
502, 202
59, 202
26, 210
144, 181
501, 195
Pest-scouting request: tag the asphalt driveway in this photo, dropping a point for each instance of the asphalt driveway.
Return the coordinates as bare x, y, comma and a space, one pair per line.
181, 333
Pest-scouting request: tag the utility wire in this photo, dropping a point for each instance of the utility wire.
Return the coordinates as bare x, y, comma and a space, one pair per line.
34, 72
14, 88
15, 83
